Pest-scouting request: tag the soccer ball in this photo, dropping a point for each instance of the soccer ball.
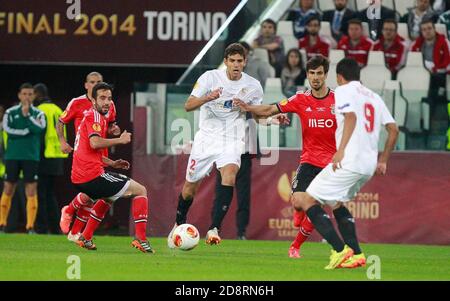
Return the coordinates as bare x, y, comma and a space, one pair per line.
186, 237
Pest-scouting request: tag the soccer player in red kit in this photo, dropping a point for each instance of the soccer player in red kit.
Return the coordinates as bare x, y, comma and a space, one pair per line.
81, 205
90, 177
315, 108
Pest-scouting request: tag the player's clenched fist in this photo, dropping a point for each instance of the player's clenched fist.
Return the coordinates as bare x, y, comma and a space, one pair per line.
125, 137
214, 94
242, 105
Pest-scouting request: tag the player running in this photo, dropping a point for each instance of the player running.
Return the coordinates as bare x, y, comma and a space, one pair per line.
81, 205
220, 139
315, 108
90, 178
359, 114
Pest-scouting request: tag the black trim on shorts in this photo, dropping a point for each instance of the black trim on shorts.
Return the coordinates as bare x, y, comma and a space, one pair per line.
305, 175
104, 186
30, 170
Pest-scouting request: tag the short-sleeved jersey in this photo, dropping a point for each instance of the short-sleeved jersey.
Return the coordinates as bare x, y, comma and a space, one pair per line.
219, 118
78, 106
318, 125
361, 152
87, 162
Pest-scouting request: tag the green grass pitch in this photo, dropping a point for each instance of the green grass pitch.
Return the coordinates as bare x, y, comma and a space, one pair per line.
44, 257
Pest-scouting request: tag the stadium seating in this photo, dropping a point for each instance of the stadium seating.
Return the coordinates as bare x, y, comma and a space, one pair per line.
415, 82
284, 30
336, 55
398, 108
403, 31
304, 57
325, 32
375, 73
273, 91
294, 133
401, 6
442, 29
262, 54
324, 5
365, 26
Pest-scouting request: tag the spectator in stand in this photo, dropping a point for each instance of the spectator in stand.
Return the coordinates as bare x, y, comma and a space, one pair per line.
300, 15
375, 23
339, 18
312, 43
256, 67
440, 6
436, 56
356, 45
445, 19
393, 46
415, 15
273, 43
293, 74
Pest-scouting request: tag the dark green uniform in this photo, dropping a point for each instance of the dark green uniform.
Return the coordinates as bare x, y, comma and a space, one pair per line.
24, 142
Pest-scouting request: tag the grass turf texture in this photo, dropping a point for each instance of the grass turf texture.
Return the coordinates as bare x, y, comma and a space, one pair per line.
44, 257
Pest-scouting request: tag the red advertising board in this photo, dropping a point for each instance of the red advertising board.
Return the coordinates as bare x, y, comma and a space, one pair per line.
132, 32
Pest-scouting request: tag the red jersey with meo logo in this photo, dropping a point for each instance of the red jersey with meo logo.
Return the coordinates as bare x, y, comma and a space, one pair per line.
318, 125
87, 162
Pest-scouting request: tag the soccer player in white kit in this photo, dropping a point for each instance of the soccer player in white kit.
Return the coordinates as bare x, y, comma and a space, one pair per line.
221, 135
360, 113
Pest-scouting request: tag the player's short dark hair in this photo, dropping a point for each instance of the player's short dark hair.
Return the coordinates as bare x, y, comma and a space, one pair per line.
426, 21
101, 86
393, 21
312, 18
355, 21
349, 69
41, 89
25, 86
270, 21
316, 62
234, 48
245, 45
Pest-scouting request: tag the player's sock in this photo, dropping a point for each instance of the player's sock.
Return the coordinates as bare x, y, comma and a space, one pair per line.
346, 225
79, 201
140, 214
32, 206
306, 228
322, 223
81, 218
221, 206
97, 214
5, 205
182, 209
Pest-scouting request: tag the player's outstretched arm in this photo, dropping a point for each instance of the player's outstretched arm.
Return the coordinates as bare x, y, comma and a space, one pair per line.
389, 145
97, 142
194, 103
65, 147
261, 111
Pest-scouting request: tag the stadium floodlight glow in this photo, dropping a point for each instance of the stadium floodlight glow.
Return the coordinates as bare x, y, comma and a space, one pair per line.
214, 38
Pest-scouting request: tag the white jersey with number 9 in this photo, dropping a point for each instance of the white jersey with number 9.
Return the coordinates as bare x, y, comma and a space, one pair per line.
361, 152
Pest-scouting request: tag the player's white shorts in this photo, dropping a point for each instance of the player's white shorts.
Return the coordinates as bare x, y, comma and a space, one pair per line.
330, 187
207, 150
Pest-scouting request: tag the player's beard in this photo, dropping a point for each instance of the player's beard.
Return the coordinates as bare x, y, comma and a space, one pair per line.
100, 110
318, 88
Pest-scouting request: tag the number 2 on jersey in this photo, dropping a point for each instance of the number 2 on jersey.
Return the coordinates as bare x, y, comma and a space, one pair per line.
369, 114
